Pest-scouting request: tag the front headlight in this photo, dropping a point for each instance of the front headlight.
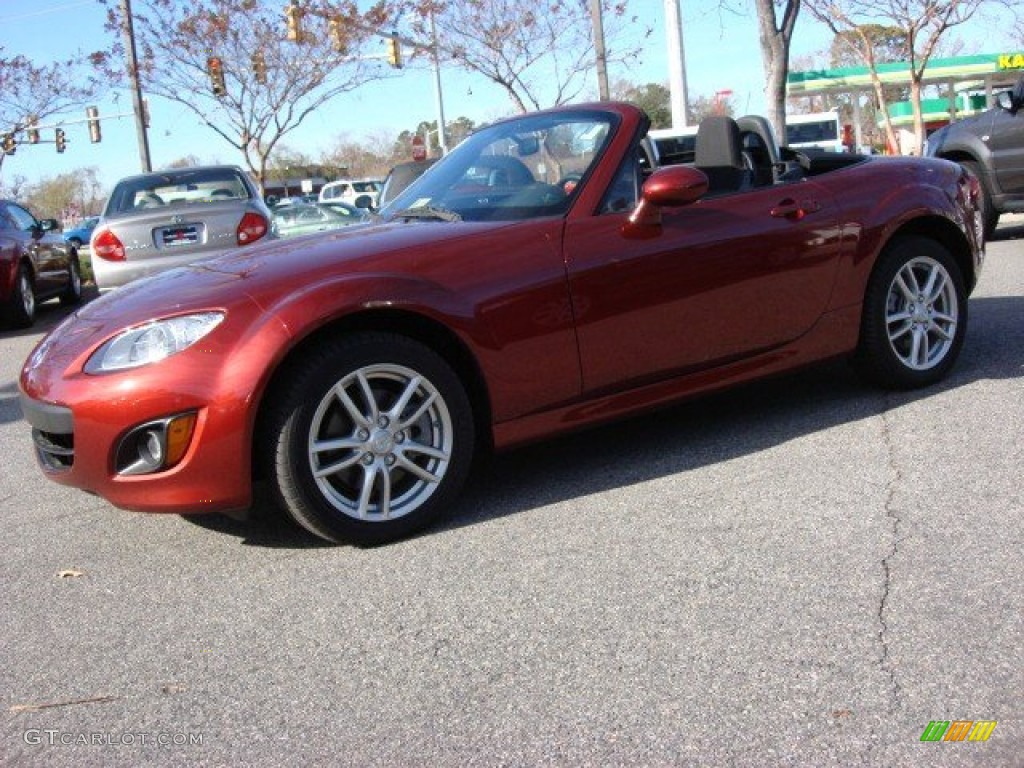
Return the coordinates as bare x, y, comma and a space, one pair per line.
152, 342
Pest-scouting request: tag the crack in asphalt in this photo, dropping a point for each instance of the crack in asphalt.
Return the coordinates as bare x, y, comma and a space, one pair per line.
893, 517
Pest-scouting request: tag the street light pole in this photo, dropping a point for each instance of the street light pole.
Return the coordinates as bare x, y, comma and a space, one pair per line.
599, 51
676, 65
133, 73
441, 137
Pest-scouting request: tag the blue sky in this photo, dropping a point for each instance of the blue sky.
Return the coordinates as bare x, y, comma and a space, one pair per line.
722, 53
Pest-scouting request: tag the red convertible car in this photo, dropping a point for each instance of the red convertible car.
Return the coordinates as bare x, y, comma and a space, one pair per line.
544, 276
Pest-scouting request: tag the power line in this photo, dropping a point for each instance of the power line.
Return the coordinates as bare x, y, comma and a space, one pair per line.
45, 11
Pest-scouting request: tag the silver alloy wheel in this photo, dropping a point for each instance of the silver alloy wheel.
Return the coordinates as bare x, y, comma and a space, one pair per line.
380, 442
921, 313
28, 296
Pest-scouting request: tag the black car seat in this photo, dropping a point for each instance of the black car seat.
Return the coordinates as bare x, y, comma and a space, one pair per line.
505, 171
719, 155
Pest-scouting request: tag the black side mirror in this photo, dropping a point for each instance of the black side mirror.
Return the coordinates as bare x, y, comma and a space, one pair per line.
48, 225
1014, 98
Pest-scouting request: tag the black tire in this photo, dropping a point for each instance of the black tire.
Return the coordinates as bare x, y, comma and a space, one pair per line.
989, 215
72, 295
393, 466
21, 307
915, 315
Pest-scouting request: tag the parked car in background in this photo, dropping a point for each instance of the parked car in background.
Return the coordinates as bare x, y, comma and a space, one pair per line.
494, 304
400, 177
303, 218
991, 146
352, 191
81, 234
35, 265
156, 221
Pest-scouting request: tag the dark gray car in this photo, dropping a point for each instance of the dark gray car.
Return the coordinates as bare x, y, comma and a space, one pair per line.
156, 221
991, 146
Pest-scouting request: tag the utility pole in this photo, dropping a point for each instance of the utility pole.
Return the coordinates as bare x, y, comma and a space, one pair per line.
676, 65
442, 140
599, 51
128, 29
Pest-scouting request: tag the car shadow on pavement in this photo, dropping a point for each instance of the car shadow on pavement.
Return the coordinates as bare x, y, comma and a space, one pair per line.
1013, 230
699, 433
49, 315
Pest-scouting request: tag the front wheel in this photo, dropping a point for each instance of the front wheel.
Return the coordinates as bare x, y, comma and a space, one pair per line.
370, 439
915, 315
21, 312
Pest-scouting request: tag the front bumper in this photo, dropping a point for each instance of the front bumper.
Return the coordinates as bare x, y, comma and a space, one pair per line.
53, 433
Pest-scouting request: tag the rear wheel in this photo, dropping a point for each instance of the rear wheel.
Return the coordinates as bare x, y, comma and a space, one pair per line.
370, 439
989, 215
915, 315
73, 293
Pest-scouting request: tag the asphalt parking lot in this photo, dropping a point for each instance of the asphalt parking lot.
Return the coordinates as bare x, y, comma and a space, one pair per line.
803, 572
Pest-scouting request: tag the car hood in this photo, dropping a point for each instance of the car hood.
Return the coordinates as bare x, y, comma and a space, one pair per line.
973, 124
265, 271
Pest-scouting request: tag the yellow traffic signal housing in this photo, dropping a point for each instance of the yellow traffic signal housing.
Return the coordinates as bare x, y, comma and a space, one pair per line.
93, 114
215, 68
31, 130
336, 34
9, 144
60, 140
293, 19
394, 52
259, 68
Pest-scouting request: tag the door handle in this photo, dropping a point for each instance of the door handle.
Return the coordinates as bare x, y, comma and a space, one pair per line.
794, 209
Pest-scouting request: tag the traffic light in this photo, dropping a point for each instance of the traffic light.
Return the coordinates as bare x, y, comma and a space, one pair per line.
293, 18
259, 68
394, 52
31, 130
215, 68
337, 38
93, 115
60, 140
10, 144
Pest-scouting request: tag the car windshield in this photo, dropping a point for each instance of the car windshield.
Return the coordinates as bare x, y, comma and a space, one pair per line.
295, 215
511, 171
183, 187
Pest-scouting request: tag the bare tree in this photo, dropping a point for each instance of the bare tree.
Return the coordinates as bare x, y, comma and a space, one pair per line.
269, 84
922, 25
30, 92
540, 52
776, 35
78, 192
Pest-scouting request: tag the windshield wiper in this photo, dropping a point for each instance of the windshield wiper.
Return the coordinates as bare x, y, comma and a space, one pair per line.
428, 212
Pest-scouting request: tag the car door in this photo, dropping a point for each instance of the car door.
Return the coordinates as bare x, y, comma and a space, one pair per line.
1006, 142
727, 277
50, 263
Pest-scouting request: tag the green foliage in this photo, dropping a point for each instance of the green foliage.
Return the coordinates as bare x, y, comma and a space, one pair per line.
652, 98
